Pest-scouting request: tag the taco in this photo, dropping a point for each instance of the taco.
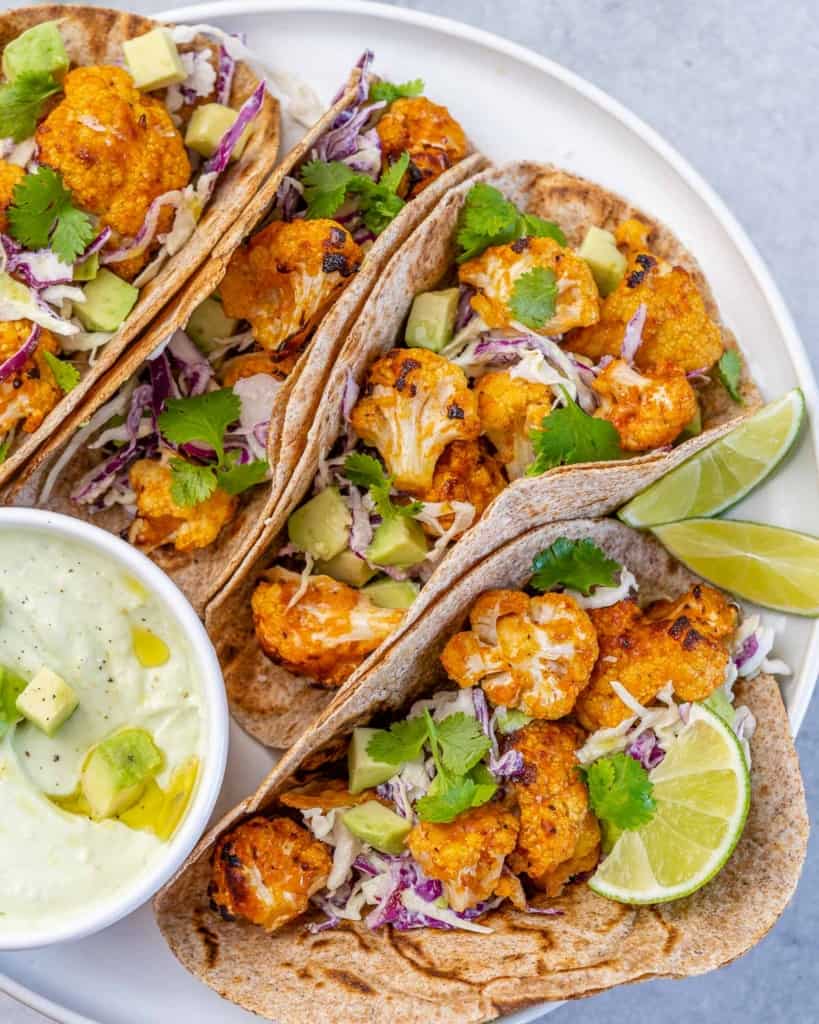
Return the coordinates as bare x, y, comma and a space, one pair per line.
449, 868
125, 157
449, 425
178, 444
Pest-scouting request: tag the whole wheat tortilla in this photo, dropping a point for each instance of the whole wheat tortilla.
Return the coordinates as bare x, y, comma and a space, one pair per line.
273, 704
430, 977
94, 35
200, 574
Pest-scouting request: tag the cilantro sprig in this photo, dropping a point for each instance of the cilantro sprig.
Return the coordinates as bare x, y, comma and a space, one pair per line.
42, 214
327, 185
366, 471
620, 791
489, 218
568, 436
729, 372
22, 102
66, 374
534, 297
391, 91
576, 564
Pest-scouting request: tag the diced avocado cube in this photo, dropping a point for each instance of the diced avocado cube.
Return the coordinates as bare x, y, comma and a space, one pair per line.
47, 701
108, 301
154, 60
208, 124
88, 269
693, 428
11, 686
38, 49
373, 823
209, 323
391, 593
321, 527
432, 319
116, 770
400, 541
364, 771
606, 262
346, 567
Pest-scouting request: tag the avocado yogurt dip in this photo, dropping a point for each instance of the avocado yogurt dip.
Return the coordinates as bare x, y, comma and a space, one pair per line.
102, 730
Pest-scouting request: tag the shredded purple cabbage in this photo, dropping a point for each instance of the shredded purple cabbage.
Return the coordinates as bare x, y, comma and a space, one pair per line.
503, 766
405, 874
465, 311
16, 362
647, 750
633, 337
749, 648
247, 112
224, 77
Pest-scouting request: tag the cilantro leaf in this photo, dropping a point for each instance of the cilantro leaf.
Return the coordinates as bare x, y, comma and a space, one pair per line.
235, 477
485, 784
403, 741
489, 218
392, 177
325, 186
366, 471
22, 102
66, 374
568, 435
534, 297
202, 418
446, 799
11, 686
578, 564
42, 213
729, 371
620, 791
390, 91
537, 227
509, 720
191, 484
4, 450
462, 741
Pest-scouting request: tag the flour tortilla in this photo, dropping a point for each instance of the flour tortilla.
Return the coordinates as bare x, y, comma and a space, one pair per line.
94, 35
429, 977
274, 705
200, 574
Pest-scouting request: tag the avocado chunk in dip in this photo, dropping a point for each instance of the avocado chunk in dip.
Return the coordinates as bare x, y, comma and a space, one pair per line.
86, 810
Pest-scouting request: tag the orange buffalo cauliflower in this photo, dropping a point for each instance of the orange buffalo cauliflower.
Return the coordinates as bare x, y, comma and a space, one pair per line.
497, 270
116, 149
531, 653
428, 132
678, 328
285, 278
326, 632
467, 854
28, 396
509, 409
10, 174
324, 794
466, 472
160, 520
266, 870
559, 836
649, 409
248, 365
414, 404
685, 643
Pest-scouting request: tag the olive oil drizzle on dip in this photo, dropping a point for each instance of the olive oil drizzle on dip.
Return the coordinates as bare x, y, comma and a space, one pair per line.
65, 607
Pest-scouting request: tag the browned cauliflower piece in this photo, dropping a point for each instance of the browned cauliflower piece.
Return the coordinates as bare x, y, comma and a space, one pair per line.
249, 364
326, 633
414, 404
678, 328
117, 150
265, 870
28, 396
285, 278
559, 837
649, 409
10, 175
467, 855
466, 472
496, 271
428, 132
531, 653
509, 409
670, 643
160, 520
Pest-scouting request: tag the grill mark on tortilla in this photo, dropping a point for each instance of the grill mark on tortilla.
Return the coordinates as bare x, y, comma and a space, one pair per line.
351, 981
210, 940
672, 935
397, 940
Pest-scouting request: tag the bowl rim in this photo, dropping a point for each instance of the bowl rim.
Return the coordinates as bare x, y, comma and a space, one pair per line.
216, 721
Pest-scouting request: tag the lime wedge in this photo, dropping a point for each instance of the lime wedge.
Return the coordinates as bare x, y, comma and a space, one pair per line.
702, 790
773, 567
721, 474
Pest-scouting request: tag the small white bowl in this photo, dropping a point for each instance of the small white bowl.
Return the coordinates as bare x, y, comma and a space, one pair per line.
216, 722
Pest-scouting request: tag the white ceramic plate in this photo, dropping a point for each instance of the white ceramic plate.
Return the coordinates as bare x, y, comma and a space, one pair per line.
514, 104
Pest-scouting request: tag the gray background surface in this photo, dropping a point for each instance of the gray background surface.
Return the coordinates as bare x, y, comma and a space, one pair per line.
735, 88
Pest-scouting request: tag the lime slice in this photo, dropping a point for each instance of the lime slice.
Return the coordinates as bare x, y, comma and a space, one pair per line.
721, 474
703, 791
773, 567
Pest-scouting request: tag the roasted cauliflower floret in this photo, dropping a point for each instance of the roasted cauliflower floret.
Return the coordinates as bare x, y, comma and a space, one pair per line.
325, 794
466, 472
559, 837
678, 328
531, 653
10, 174
414, 404
649, 409
117, 150
428, 132
467, 854
670, 643
497, 270
266, 870
326, 633
28, 396
159, 520
249, 365
285, 278
509, 409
